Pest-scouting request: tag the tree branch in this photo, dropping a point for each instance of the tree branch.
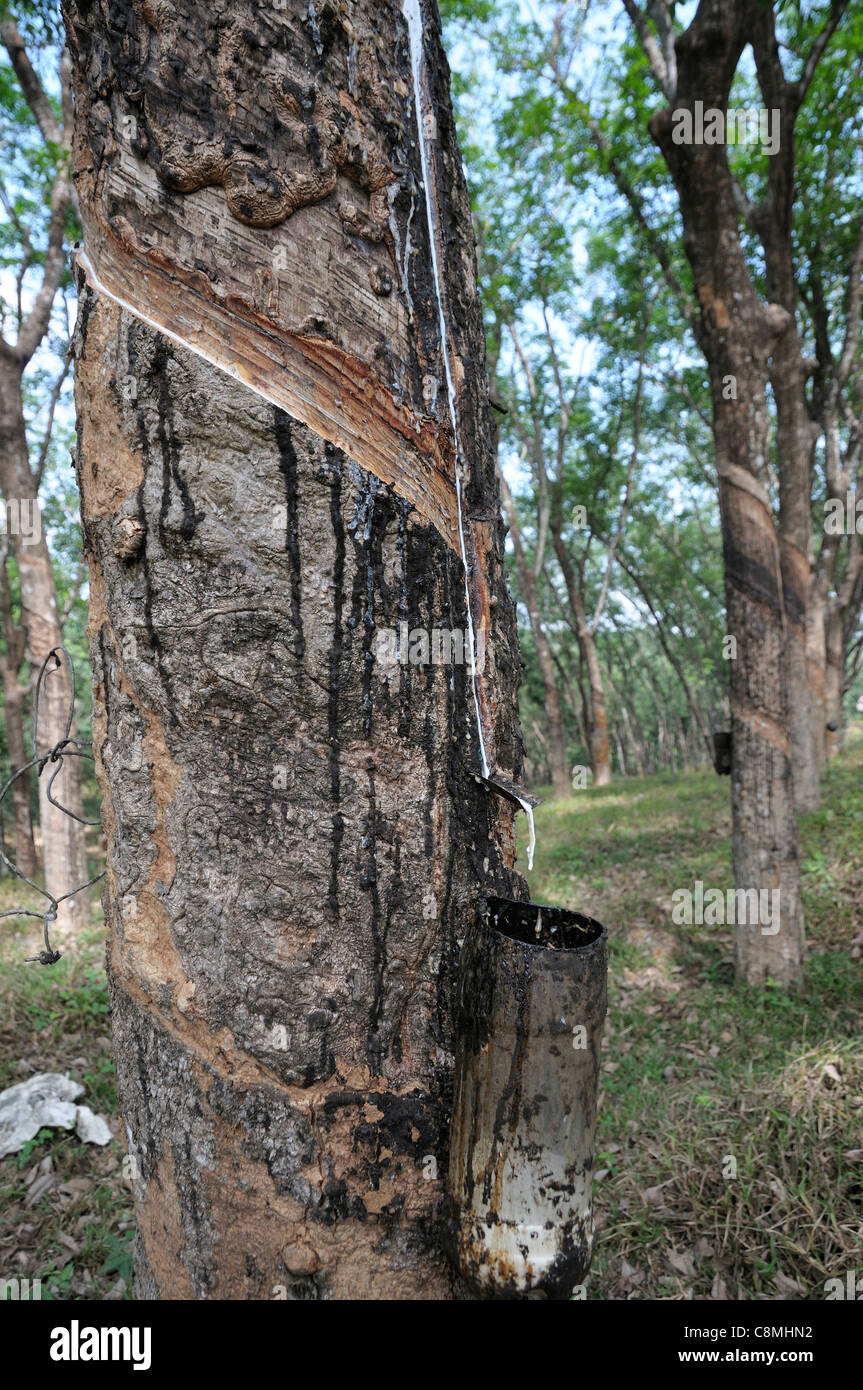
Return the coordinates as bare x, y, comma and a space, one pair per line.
34, 93
798, 89
624, 509
39, 318
74, 591
852, 312
652, 50
49, 427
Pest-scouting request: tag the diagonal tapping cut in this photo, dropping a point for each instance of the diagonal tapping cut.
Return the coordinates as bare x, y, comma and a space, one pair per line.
256, 313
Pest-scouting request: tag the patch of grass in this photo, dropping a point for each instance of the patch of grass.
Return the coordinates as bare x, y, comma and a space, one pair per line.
730, 1140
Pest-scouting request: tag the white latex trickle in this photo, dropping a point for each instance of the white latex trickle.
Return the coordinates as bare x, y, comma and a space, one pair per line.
425, 119
531, 825
413, 16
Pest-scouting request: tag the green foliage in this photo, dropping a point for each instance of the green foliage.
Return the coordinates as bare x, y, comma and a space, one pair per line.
571, 199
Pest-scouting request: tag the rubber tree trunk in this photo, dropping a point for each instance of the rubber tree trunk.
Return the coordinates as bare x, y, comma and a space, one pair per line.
600, 752
556, 734
796, 437
738, 334
833, 608
24, 852
595, 709
62, 837
297, 834
834, 676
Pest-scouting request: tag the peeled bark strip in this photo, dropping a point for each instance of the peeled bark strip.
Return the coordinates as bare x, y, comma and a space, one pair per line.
297, 836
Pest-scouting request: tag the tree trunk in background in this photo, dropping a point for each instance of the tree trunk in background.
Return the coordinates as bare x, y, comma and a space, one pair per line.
298, 839
597, 717
557, 754
834, 678
661, 739
681, 743
621, 759
23, 854
599, 745
62, 837
738, 334
631, 728
834, 616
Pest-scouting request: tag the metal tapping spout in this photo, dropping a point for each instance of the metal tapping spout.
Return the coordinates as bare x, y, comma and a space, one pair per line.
531, 1004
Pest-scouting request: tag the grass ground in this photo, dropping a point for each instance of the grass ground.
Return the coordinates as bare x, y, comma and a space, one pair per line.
730, 1142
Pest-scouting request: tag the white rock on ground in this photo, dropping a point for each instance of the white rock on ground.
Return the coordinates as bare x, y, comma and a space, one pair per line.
91, 1127
46, 1101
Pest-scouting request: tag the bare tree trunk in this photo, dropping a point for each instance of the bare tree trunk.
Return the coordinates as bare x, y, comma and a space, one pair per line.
695, 710
621, 758
13, 718
834, 675
599, 746
681, 742
61, 836
557, 753
738, 334
634, 741
575, 698
662, 758
298, 833
597, 717
626, 696
796, 435
14, 695
833, 618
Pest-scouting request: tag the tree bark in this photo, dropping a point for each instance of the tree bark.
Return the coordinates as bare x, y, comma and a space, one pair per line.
298, 836
14, 695
13, 719
629, 720
599, 742
796, 435
595, 711
62, 837
558, 758
738, 334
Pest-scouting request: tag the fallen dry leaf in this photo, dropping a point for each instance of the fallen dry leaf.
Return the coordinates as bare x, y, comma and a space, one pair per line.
682, 1262
38, 1189
75, 1187
653, 1196
786, 1285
